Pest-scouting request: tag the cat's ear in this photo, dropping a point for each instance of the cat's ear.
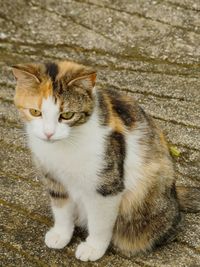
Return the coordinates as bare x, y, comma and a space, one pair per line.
26, 74
87, 81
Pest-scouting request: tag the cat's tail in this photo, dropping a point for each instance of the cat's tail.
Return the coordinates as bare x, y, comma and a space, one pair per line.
189, 198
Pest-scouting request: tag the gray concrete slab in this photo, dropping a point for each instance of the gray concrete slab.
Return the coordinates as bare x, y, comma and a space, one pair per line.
150, 49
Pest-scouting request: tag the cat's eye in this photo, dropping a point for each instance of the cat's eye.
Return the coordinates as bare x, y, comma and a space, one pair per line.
66, 115
35, 112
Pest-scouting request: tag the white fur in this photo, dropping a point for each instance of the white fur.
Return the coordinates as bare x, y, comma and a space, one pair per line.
134, 158
48, 123
75, 160
60, 235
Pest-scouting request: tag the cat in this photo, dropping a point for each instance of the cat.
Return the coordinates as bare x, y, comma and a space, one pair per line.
105, 163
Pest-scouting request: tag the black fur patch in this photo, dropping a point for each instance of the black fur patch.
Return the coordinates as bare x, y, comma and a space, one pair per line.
112, 181
55, 194
103, 109
125, 110
52, 71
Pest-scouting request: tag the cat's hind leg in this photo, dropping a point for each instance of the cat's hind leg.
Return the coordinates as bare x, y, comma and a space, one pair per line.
141, 228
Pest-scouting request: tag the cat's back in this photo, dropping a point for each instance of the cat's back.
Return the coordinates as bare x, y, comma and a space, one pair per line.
145, 146
121, 111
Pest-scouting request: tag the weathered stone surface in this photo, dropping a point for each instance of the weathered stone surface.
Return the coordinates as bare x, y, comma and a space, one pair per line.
147, 48
9, 253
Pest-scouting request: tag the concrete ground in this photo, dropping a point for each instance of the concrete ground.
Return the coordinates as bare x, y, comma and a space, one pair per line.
150, 48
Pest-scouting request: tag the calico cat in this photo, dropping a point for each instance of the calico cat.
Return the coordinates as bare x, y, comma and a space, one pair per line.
104, 161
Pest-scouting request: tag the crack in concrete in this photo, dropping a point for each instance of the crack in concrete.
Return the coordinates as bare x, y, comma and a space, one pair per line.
139, 15
15, 177
28, 256
25, 212
109, 65
182, 6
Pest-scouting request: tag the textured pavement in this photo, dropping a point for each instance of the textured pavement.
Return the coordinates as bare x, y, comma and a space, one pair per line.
148, 48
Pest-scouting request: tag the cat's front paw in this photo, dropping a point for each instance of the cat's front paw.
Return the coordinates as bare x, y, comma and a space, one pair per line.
87, 252
56, 238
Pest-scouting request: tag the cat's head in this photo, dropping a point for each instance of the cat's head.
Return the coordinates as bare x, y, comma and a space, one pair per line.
54, 97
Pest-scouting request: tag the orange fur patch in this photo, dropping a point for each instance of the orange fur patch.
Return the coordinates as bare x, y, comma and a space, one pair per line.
26, 98
59, 202
114, 121
131, 248
67, 66
46, 89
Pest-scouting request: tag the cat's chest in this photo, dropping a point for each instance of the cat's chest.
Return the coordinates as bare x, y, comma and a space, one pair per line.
73, 166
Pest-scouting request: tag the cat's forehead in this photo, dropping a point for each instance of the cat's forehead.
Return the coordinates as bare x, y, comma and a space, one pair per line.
50, 105
69, 97
67, 83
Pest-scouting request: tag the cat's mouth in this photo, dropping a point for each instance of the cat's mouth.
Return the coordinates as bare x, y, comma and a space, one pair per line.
50, 140
47, 140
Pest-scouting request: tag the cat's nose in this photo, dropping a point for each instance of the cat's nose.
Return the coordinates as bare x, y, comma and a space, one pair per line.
49, 134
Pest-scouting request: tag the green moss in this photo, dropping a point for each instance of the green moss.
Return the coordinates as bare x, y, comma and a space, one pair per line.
174, 151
